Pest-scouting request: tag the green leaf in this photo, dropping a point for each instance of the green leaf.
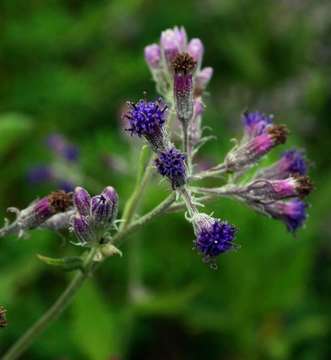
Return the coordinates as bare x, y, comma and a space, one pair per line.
13, 127
93, 328
69, 263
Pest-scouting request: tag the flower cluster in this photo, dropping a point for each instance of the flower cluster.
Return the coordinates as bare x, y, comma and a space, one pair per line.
148, 118
175, 62
94, 215
277, 190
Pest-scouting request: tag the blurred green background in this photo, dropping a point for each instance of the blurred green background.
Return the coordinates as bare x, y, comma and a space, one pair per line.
69, 66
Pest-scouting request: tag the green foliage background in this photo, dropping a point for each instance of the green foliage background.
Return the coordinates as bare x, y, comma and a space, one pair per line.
69, 66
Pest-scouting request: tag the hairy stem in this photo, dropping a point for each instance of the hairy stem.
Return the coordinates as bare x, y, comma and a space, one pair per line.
187, 148
212, 172
52, 313
157, 211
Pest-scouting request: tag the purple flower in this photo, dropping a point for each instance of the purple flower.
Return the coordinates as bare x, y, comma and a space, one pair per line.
269, 189
251, 150
255, 123
293, 186
43, 209
153, 56
292, 213
213, 237
147, 118
291, 162
171, 163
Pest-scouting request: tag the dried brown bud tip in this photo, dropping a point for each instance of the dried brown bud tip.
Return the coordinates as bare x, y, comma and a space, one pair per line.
183, 63
305, 186
60, 201
278, 133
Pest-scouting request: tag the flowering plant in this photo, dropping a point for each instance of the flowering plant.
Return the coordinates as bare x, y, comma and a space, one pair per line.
172, 127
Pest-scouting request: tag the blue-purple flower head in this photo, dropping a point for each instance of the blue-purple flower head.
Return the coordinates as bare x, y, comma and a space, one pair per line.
294, 162
171, 164
95, 215
293, 213
213, 236
147, 118
291, 162
255, 123
62, 148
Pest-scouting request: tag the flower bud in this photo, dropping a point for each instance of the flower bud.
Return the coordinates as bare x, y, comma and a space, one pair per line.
195, 49
265, 190
255, 123
104, 207
291, 162
292, 213
202, 79
183, 67
82, 201
251, 151
153, 56
41, 210
111, 197
94, 215
171, 163
83, 229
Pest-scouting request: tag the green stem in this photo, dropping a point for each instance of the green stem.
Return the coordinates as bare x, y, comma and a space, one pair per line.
134, 200
52, 313
158, 210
